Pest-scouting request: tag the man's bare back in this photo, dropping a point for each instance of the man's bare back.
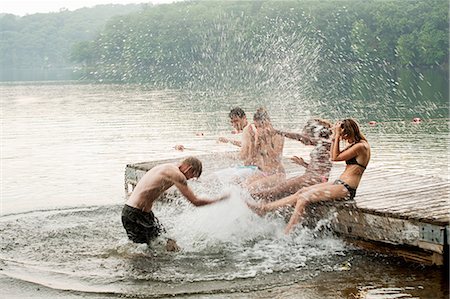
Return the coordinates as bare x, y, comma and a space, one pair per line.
153, 184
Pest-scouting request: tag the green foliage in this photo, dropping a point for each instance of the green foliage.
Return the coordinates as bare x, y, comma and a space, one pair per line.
46, 40
236, 42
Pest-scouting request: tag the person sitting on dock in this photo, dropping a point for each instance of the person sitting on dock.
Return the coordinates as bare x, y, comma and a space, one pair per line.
239, 121
137, 216
263, 147
316, 132
356, 155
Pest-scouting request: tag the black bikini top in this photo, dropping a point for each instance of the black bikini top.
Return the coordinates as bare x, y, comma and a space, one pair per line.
353, 161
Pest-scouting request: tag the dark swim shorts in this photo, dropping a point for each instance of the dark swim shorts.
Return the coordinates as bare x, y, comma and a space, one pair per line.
141, 227
351, 191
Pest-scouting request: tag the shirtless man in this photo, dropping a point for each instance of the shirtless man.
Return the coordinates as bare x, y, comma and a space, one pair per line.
137, 216
239, 121
247, 153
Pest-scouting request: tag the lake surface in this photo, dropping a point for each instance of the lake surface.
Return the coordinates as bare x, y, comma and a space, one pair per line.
64, 151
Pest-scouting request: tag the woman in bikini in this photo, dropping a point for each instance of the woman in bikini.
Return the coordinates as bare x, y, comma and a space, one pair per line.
356, 155
317, 133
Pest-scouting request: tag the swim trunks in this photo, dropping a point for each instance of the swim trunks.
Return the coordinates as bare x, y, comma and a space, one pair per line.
141, 227
351, 191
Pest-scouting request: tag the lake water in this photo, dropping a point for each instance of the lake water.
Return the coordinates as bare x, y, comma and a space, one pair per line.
64, 151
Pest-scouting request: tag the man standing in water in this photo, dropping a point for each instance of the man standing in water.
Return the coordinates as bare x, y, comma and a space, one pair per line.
137, 216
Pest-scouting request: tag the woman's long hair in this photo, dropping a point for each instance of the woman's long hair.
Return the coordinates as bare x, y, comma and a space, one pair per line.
351, 129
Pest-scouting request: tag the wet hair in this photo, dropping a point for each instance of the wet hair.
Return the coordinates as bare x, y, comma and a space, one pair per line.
351, 128
237, 112
196, 165
317, 127
261, 115
321, 128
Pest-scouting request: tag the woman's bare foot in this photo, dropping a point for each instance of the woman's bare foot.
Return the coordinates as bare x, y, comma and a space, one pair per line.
257, 208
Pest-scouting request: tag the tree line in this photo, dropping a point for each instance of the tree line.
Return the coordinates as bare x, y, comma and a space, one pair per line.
245, 42
45, 40
201, 39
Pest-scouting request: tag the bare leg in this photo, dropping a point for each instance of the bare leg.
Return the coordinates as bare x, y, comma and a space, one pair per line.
320, 192
286, 188
261, 182
298, 213
261, 209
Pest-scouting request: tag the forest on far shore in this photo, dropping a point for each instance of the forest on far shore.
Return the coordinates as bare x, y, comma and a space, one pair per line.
199, 39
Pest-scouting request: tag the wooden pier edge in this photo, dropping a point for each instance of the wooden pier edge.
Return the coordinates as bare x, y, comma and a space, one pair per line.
392, 213
412, 240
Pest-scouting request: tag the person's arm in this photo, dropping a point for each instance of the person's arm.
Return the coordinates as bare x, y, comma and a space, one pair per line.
299, 161
233, 142
295, 136
187, 192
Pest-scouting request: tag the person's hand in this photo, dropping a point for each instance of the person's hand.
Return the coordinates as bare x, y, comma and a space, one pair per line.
223, 140
298, 160
224, 196
337, 129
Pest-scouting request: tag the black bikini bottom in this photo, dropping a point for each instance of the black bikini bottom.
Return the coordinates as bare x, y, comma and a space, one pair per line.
351, 191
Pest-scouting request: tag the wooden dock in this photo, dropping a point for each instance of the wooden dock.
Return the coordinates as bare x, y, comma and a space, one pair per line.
397, 213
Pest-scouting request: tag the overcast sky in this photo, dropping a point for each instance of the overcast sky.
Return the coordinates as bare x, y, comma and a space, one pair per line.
23, 7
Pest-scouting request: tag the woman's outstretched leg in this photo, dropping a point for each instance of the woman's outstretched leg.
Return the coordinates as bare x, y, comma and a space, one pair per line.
290, 200
321, 192
262, 209
298, 213
285, 188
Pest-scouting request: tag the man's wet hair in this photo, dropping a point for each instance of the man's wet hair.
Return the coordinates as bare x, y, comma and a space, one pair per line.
196, 165
237, 112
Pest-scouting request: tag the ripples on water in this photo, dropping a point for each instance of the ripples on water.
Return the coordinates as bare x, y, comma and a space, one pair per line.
64, 149
87, 249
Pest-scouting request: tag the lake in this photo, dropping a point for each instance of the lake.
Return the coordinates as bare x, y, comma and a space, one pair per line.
64, 150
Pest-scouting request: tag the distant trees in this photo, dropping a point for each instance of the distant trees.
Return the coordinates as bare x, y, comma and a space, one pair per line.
235, 40
403, 32
244, 42
46, 40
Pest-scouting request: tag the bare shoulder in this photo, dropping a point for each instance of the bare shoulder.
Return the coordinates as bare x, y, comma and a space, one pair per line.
249, 129
173, 173
365, 144
246, 129
278, 137
362, 147
167, 170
